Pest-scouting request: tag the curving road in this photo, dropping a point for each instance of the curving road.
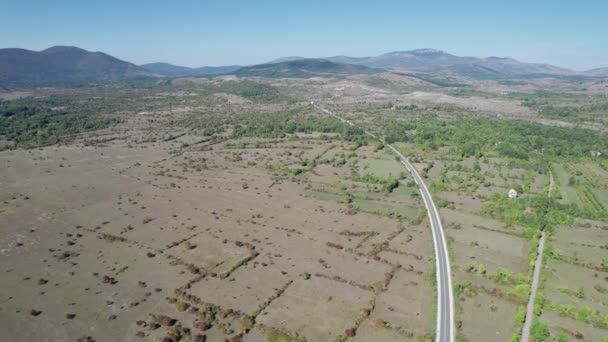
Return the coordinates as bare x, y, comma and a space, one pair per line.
445, 302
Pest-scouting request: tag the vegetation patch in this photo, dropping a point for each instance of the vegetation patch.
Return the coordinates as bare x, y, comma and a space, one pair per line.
30, 123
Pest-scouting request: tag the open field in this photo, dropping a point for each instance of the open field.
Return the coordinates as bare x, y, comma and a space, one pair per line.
574, 278
182, 235
575, 287
490, 257
232, 208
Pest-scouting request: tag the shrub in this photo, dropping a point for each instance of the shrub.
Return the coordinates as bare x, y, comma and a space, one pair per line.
501, 275
334, 245
378, 323
246, 324
539, 331
109, 280
275, 335
202, 326
182, 306
164, 320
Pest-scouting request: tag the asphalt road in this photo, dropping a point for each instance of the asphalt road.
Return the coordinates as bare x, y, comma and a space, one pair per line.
445, 301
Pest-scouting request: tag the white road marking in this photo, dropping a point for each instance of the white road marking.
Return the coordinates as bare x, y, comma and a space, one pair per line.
445, 301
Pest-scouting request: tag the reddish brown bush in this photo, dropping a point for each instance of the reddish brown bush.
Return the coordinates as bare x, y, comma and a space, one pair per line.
378, 322
334, 245
193, 269
350, 332
202, 326
200, 338
164, 320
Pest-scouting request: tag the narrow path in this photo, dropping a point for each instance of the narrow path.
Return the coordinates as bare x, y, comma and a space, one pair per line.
445, 302
525, 334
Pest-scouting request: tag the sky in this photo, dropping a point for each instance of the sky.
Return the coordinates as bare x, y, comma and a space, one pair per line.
572, 34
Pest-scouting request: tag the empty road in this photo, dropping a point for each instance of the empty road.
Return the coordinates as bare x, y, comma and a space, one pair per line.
538, 264
445, 307
445, 302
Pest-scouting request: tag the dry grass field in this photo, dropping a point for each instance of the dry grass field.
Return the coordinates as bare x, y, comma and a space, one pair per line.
128, 238
230, 209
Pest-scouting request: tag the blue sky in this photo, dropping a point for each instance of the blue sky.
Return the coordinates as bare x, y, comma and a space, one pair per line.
572, 34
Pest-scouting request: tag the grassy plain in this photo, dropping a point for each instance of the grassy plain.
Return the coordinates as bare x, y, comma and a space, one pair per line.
233, 209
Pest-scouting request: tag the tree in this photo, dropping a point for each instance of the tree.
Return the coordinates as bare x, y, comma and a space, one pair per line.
391, 183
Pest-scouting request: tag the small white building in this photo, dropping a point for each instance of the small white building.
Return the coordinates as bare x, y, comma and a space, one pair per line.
596, 153
512, 193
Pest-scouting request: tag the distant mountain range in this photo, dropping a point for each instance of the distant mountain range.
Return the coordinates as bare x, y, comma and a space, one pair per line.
304, 68
63, 64
431, 60
598, 72
167, 69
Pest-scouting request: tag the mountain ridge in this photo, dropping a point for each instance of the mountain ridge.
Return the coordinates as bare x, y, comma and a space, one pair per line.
428, 60
64, 65
598, 71
168, 69
70, 65
303, 68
